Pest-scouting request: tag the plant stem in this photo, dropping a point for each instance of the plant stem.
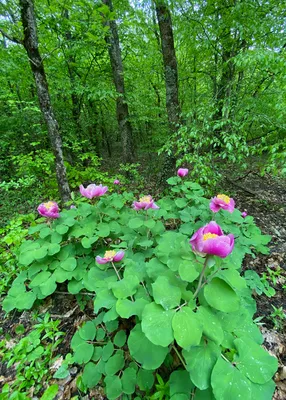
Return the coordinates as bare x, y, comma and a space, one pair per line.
201, 278
179, 356
116, 271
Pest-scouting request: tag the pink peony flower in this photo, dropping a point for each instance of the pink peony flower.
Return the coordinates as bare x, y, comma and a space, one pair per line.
244, 214
210, 240
222, 201
116, 182
145, 203
49, 209
110, 256
93, 191
182, 172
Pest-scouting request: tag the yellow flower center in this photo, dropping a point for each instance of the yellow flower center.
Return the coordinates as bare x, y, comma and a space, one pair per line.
224, 197
49, 205
145, 199
109, 254
209, 236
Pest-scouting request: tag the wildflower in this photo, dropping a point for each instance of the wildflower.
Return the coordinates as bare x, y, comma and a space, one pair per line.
93, 190
222, 201
72, 206
116, 182
49, 209
210, 240
145, 203
244, 214
182, 172
110, 256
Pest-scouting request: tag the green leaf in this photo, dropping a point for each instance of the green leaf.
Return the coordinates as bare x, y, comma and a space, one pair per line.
113, 387
87, 331
128, 380
263, 392
74, 286
104, 299
56, 237
145, 379
187, 271
157, 324
150, 223
91, 376
233, 278
69, 264
180, 396
62, 229
166, 294
40, 253
145, 352
253, 361
53, 248
135, 223
26, 258
211, 325
205, 395
180, 383
103, 230
45, 232
200, 361
82, 351
115, 363
120, 338
40, 278
221, 296
50, 393
88, 242
97, 352
181, 202
126, 308
107, 351
100, 334
125, 287
48, 287
229, 383
145, 243
187, 328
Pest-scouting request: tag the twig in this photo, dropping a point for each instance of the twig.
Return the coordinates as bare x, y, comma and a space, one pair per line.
11, 38
179, 356
200, 280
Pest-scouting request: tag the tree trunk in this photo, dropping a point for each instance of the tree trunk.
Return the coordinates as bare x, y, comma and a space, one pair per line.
171, 78
122, 112
36, 62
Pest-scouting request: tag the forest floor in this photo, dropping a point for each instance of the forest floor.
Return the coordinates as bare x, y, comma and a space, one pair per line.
264, 199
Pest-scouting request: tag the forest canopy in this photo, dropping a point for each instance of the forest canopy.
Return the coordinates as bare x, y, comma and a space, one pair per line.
219, 94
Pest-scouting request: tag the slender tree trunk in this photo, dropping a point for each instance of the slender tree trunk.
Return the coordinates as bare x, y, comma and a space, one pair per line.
171, 78
122, 112
36, 62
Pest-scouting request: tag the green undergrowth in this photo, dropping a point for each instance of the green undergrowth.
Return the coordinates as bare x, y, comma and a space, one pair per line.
167, 323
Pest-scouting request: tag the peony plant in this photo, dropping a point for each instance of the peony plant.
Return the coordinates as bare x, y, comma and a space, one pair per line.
168, 297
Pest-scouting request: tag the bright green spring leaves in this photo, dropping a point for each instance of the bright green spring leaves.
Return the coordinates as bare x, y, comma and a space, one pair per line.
146, 316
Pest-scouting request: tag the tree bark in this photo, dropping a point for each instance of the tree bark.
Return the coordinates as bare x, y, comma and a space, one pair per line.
171, 78
122, 111
36, 63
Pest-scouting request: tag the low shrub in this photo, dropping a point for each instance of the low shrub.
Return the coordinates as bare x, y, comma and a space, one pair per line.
163, 307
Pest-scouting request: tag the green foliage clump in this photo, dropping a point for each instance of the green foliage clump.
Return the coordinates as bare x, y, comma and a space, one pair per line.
31, 358
162, 311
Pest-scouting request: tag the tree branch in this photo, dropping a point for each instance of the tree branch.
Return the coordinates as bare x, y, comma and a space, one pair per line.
11, 38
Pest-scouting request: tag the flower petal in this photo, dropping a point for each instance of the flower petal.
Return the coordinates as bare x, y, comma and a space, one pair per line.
118, 256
